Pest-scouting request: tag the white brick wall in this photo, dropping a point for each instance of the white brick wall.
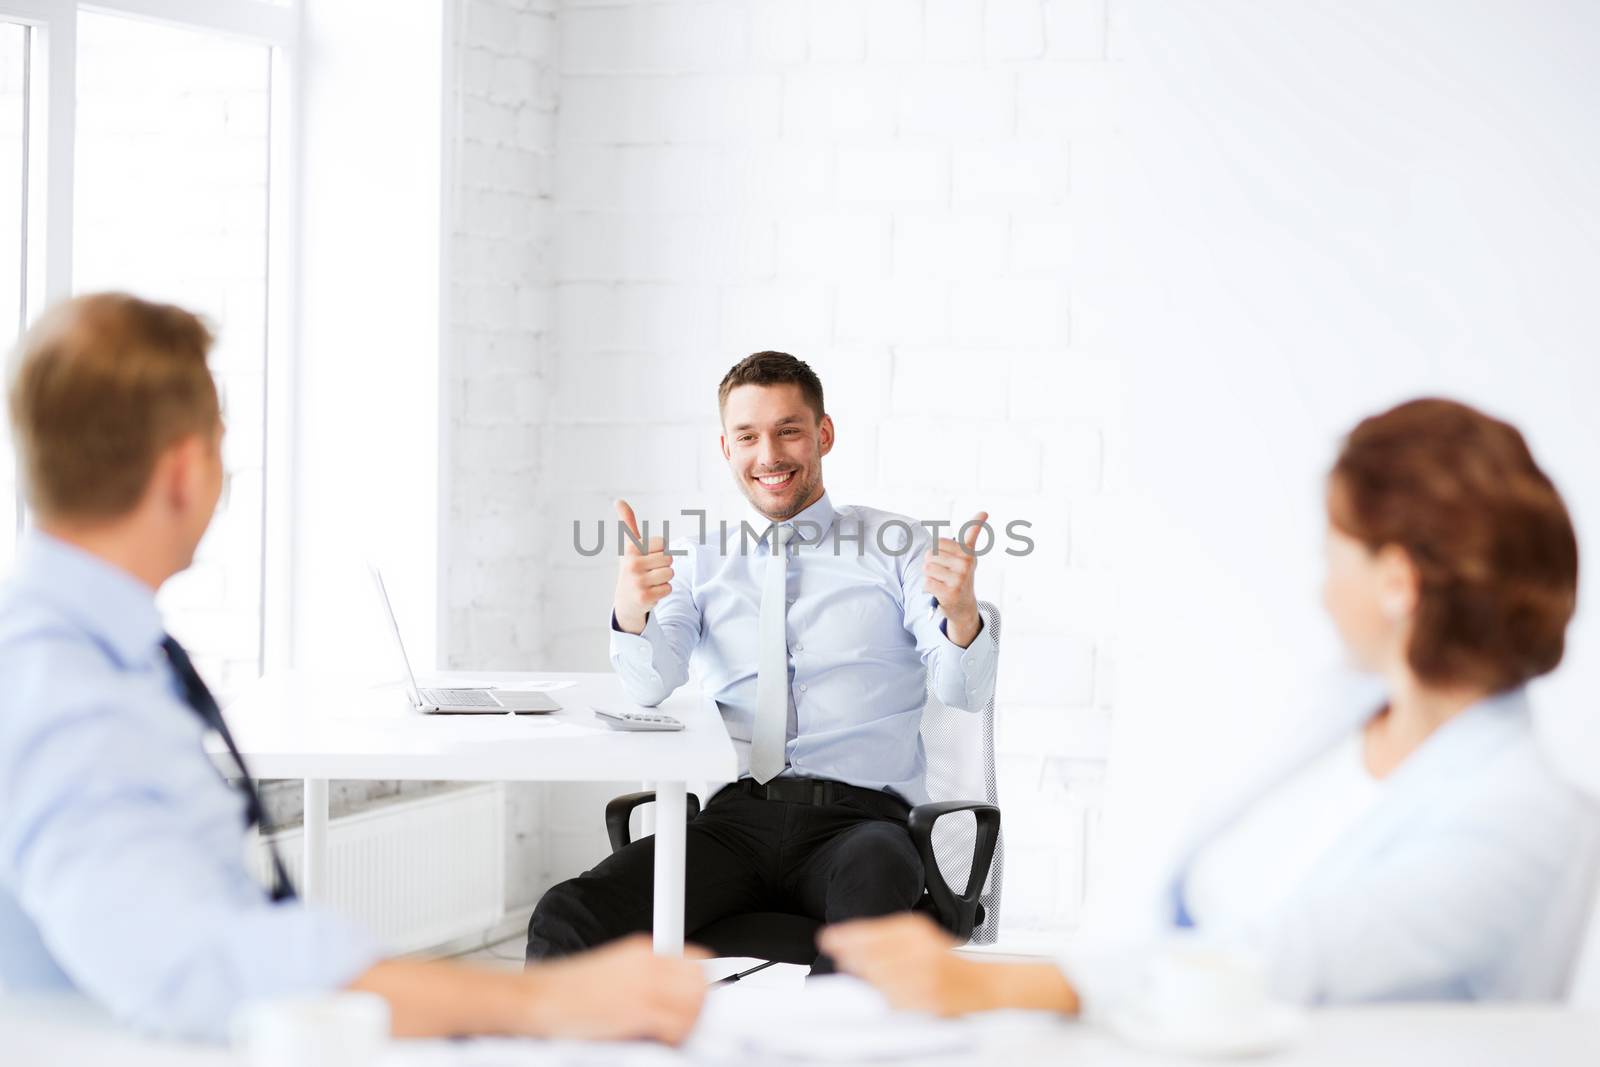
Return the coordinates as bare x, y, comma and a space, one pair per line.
651, 190
499, 312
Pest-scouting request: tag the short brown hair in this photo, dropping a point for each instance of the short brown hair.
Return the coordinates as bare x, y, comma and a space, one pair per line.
773, 368
1488, 533
100, 386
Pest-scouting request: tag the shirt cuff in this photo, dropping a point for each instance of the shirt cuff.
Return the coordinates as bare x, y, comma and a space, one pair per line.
278, 950
974, 665
633, 655
334, 951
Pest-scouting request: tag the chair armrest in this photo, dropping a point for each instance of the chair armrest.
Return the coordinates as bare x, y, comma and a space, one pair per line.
619, 808
957, 912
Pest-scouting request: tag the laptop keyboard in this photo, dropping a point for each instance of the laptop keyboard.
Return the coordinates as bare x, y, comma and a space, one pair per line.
459, 698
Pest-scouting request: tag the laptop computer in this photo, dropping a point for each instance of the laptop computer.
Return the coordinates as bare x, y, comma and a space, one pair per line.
458, 701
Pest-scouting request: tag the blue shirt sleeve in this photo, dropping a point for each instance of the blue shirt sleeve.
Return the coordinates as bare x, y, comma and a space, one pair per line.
654, 663
115, 835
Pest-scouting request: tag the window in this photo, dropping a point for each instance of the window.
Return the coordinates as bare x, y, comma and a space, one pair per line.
155, 134
14, 76
171, 204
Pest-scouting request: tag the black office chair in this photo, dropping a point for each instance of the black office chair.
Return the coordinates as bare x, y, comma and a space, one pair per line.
955, 850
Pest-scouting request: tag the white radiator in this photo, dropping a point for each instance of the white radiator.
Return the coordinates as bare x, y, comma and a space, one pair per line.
417, 873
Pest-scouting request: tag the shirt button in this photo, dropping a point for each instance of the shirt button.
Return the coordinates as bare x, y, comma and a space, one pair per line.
799, 647
802, 687
791, 600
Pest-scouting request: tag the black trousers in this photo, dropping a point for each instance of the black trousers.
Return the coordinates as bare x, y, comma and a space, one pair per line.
845, 860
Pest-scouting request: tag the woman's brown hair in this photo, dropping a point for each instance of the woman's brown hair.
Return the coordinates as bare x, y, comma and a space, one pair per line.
1489, 536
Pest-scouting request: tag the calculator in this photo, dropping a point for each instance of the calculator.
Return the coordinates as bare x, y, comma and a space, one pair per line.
638, 720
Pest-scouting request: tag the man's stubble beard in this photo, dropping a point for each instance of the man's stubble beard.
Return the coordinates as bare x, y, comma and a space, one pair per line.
802, 498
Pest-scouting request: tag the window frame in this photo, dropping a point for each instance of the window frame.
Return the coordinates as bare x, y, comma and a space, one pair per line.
51, 185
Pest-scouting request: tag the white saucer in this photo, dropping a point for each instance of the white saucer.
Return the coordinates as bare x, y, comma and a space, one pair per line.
1274, 1027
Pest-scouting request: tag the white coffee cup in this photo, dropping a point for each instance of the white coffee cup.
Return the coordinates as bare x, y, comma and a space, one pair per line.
1191, 985
328, 1030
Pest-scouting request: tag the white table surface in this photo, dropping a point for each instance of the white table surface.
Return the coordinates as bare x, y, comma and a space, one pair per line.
296, 725
39, 1034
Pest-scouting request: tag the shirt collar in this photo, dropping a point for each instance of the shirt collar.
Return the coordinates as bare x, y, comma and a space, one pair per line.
1508, 703
107, 602
811, 524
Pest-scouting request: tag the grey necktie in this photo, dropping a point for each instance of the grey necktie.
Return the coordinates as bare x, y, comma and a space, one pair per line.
771, 731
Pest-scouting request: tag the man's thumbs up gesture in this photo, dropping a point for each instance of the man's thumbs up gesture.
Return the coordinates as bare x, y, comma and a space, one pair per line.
947, 572
643, 578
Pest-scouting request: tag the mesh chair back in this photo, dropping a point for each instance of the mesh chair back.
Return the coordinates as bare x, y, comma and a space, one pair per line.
960, 750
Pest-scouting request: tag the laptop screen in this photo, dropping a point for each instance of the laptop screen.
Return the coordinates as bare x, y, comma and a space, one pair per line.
394, 628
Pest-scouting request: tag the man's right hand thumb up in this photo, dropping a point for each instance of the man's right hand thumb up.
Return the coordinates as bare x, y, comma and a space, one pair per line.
644, 576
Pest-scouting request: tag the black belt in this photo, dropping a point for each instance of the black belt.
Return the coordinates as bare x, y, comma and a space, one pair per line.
823, 791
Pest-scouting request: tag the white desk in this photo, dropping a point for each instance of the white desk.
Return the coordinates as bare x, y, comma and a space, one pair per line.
39, 1034
291, 725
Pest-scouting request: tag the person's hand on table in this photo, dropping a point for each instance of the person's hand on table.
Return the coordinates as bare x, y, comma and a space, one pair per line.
908, 958
618, 992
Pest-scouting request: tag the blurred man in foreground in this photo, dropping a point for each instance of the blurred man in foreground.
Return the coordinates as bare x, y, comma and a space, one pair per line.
122, 868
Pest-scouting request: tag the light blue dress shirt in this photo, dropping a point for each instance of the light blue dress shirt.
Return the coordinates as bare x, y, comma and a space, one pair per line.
122, 864
1470, 877
864, 644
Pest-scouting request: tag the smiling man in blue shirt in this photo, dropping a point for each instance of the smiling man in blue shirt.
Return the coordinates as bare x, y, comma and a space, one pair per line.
122, 872
819, 650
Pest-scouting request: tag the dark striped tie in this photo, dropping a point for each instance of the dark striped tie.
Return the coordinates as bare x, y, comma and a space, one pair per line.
198, 697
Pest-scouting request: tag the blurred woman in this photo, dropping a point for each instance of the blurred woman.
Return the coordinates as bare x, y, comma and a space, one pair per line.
1420, 848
